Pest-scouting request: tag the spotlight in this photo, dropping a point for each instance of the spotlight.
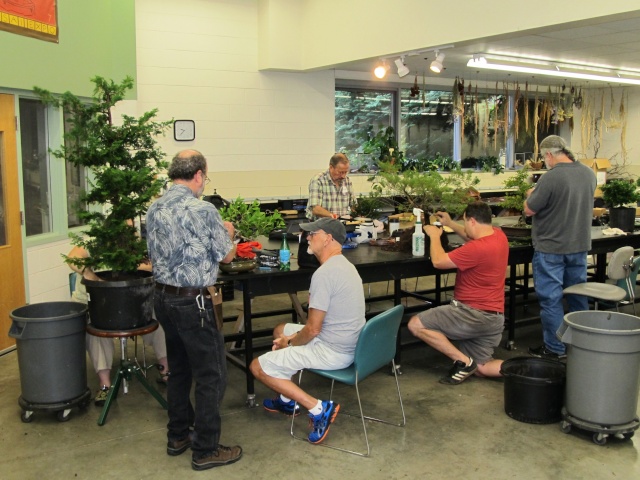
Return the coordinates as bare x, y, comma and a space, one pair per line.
381, 70
403, 71
436, 65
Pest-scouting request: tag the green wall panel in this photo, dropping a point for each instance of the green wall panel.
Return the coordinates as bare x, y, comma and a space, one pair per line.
95, 38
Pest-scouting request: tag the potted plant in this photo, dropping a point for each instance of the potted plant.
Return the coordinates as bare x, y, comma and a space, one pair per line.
621, 196
125, 162
514, 200
429, 191
249, 222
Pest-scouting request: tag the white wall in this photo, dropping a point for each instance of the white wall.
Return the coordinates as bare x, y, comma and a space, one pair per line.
263, 133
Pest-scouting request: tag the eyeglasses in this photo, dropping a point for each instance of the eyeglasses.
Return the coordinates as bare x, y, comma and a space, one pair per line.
311, 234
206, 179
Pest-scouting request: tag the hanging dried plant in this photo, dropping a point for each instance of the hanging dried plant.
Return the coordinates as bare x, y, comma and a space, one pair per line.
485, 126
536, 105
505, 112
526, 107
424, 89
516, 121
475, 104
601, 119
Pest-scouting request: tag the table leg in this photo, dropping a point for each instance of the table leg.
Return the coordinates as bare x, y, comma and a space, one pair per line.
248, 343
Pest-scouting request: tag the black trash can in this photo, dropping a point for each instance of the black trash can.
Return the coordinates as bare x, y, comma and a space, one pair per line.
50, 341
533, 389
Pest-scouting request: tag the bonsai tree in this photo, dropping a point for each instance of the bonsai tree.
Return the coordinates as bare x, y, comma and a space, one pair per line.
248, 220
514, 200
619, 193
430, 191
125, 161
366, 206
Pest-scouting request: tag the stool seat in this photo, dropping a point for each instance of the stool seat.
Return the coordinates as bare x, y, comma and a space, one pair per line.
134, 332
127, 369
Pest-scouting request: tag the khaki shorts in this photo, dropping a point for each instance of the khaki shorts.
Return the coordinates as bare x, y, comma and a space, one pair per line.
476, 333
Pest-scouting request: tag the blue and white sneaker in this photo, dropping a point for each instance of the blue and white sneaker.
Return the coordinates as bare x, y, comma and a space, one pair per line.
277, 405
320, 423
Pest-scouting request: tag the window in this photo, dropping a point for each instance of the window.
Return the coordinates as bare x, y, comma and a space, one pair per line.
76, 184
427, 129
426, 125
35, 167
356, 110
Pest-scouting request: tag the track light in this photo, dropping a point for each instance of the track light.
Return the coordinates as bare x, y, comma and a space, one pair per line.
554, 69
403, 71
436, 65
381, 70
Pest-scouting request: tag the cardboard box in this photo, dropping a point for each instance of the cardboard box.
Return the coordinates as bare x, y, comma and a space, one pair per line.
599, 167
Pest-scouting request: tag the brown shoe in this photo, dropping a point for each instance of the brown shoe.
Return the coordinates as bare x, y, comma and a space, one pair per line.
222, 456
176, 447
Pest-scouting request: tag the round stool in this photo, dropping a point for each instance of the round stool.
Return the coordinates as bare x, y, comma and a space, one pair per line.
127, 369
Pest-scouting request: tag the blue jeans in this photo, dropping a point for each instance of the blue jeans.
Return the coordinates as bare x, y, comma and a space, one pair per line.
195, 352
551, 274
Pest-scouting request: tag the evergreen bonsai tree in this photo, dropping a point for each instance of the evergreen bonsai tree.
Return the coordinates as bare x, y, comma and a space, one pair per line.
514, 200
125, 161
619, 193
249, 221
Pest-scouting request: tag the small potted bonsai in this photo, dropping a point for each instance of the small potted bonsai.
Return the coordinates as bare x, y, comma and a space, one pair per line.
250, 222
518, 184
125, 162
621, 196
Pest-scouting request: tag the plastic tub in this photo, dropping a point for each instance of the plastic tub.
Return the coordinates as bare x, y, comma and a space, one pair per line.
533, 389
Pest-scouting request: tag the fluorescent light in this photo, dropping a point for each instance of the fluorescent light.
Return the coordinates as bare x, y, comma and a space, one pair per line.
555, 69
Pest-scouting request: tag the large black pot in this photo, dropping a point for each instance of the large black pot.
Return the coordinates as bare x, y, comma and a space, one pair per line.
622, 218
120, 302
533, 389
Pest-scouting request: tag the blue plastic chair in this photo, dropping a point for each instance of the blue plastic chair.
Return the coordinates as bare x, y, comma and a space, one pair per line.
375, 349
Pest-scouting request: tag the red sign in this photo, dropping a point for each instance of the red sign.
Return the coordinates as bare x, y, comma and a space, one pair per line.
33, 18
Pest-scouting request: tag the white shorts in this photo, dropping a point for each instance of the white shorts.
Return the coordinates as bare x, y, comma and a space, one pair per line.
286, 362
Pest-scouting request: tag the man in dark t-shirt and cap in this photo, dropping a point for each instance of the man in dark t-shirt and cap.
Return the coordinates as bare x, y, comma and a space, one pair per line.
561, 205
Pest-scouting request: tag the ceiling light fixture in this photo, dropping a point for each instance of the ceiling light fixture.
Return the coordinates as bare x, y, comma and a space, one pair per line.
554, 69
381, 70
436, 65
403, 71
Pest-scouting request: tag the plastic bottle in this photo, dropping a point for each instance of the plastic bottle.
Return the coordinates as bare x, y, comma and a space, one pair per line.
503, 157
285, 254
417, 245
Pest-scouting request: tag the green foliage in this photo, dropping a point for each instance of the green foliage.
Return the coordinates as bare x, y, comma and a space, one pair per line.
520, 184
248, 220
619, 193
367, 206
382, 144
429, 191
125, 160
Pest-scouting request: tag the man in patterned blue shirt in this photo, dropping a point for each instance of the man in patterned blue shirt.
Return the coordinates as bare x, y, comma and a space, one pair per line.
331, 192
187, 240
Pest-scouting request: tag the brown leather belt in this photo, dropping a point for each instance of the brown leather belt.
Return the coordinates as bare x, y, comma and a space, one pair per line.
182, 291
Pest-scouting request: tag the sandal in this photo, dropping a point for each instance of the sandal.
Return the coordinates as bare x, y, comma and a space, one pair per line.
163, 378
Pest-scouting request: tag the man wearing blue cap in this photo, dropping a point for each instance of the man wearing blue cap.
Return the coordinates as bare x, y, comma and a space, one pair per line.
327, 341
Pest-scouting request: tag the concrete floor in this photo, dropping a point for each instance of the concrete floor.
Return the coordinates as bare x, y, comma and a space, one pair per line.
451, 432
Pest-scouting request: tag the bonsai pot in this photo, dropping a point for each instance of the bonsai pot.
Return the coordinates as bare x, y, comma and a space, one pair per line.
121, 302
622, 218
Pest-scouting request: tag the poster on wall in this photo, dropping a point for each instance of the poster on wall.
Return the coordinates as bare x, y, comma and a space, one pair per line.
33, 18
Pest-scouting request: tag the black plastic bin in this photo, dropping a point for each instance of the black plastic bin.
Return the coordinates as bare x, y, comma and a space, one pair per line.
533, 389
50, 341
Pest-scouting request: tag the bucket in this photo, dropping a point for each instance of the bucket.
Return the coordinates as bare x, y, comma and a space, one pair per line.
603, 366
50, 341
120, 304
533, 389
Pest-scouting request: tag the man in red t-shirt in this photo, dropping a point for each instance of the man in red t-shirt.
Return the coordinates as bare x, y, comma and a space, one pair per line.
475, 317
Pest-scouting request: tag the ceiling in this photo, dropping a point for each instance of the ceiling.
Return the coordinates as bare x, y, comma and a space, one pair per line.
611, 41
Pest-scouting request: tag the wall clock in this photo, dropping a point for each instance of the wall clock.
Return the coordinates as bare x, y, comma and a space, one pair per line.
184, 130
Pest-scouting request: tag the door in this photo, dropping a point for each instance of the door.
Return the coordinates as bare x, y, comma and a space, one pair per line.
11, 267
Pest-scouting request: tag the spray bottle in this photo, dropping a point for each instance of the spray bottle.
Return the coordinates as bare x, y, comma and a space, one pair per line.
418, 236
